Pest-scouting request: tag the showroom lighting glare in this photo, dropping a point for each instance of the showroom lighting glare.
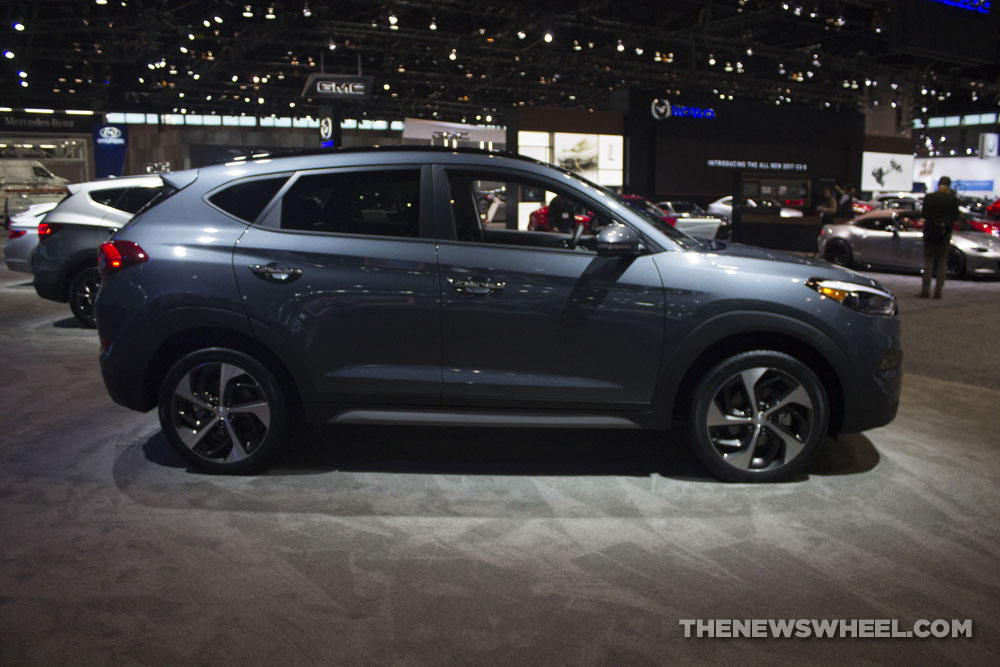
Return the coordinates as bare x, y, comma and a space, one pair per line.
40, 110
620, 47
270, 14
385, 86
100, 2
235, 78
24, 84
183, 49
452, 55
23, 74
548, 37
9, 55
306, 11
217, 19
521, 34
247, 12
433, 25
206, 23
749, 51
332, 45
638, 51
393, 20
18, 26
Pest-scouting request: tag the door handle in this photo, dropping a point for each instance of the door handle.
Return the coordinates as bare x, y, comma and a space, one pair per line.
275, 273
476, 287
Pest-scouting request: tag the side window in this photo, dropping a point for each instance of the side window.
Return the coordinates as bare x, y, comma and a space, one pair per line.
482, 203
41, 172
108, 196
247, 199
877, 224
135, 198
377, 202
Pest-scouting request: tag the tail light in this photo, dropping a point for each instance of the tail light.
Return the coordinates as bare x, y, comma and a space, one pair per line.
16, 233
48, 228
118, 255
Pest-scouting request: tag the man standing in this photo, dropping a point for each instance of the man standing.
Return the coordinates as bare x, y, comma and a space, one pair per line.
940, 214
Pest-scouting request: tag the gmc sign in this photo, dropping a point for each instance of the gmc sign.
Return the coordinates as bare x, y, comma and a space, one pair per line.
338, 87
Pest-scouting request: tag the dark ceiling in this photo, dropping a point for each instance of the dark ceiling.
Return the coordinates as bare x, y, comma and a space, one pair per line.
459, 59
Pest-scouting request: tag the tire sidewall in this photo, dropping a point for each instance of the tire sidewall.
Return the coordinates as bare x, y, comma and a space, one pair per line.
277, 398
710, 383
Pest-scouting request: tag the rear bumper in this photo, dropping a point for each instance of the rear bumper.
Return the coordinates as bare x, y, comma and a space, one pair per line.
49, 286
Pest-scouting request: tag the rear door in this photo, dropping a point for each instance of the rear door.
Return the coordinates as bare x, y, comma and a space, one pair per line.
340, 270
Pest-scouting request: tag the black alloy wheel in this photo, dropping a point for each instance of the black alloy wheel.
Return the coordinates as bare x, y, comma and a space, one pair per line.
839, 252
956, 263
82, 292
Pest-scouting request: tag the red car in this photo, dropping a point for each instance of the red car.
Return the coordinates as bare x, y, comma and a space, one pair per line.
979, 225
644, 204
993, 210
538, 221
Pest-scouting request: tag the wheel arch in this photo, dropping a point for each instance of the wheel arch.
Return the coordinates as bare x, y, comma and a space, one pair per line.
727, 335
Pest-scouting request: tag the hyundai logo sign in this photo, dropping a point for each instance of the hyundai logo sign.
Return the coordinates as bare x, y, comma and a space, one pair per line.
338, 87
109, 135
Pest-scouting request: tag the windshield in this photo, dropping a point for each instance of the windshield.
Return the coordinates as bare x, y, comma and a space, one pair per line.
687, 207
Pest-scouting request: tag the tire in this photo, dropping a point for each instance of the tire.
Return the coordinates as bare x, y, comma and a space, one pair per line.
956, 263
839, 252
82, 292
769, 442
244, 430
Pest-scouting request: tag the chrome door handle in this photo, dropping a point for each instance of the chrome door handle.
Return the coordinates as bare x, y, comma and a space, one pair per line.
477, 287
275, 273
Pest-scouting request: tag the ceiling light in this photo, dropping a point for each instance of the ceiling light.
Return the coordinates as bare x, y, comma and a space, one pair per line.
521, 34
23, 74
217, 19
270, 13
206, 24
332, 45
548, 37
19, 26
101, 2
620, 47
306, 11
452, 55
433, 25
247, 12
393, 20
711, 59
9, 55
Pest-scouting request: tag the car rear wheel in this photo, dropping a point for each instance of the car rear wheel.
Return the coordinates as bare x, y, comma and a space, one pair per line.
224, 411
757, 417
956, 263
838, 252
82, 292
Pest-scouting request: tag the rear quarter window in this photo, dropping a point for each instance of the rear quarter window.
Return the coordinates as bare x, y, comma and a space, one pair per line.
246, 200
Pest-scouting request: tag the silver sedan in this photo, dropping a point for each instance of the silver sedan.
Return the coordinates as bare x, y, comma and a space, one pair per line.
893, 239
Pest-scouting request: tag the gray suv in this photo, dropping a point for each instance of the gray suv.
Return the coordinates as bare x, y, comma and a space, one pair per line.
372, 286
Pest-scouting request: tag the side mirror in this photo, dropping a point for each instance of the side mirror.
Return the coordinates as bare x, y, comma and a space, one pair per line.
617, 240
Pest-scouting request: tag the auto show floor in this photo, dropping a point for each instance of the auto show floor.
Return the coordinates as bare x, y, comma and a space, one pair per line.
435, 546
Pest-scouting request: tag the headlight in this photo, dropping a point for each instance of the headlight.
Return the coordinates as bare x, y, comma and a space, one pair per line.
861, 298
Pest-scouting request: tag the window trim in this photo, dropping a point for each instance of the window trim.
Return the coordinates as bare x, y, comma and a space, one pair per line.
270, 217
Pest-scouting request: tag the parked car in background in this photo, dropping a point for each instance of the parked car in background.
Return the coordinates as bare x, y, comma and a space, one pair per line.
991, 227
687, 212
724, 207
24, 183
993, 210
65, 265
893, 239
357, 285
22, 237
706, 227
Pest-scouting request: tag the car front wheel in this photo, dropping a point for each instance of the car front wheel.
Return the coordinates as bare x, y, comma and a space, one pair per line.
224, 411
757, 417
956, 263
838, 252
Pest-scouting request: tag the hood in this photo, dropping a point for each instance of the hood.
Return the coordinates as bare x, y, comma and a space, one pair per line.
785, 263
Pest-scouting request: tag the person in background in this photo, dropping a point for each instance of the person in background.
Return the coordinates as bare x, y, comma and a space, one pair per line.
828, 207
940, 214
845, 200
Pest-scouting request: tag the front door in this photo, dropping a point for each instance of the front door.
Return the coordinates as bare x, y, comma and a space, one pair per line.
530, 323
